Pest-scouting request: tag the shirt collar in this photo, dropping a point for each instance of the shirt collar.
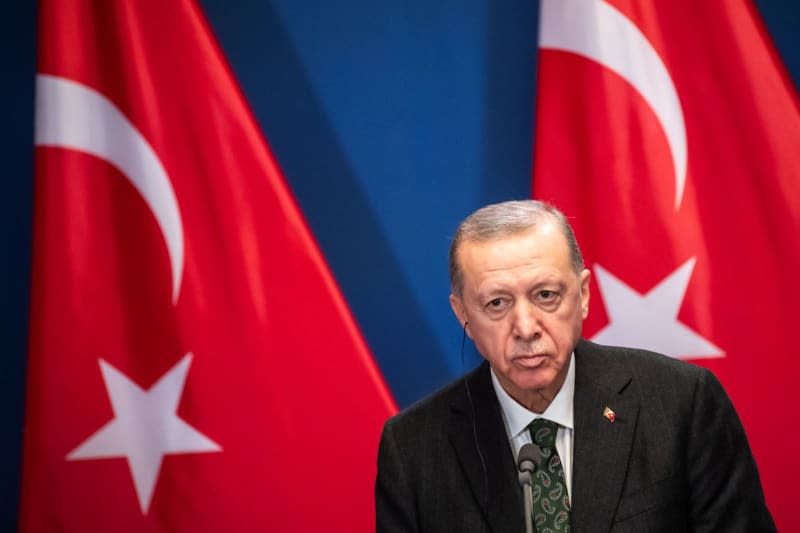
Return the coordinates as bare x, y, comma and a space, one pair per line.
559, 411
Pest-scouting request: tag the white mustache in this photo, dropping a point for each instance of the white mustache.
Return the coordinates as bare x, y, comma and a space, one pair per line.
530, 349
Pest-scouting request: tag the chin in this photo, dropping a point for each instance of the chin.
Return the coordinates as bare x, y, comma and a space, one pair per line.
533, 380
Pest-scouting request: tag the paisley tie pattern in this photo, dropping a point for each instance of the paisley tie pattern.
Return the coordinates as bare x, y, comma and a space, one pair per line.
550, 499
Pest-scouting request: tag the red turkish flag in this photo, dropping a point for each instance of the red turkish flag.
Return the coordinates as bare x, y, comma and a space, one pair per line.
193, 365
669, 133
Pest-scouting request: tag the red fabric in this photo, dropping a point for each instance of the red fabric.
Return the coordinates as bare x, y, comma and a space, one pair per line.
602, 156
281, 378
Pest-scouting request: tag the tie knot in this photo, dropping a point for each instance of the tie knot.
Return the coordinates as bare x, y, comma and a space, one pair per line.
543, 432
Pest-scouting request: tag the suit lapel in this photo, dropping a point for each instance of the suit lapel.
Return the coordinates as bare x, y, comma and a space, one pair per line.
479, 438
601, 446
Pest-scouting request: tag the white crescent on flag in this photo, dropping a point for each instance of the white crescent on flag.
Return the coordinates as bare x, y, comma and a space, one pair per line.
596, 30
74, 116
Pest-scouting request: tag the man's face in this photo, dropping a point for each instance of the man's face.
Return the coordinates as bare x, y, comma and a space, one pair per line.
525, 307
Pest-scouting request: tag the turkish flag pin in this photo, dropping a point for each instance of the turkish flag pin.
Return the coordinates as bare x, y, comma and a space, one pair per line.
608, 413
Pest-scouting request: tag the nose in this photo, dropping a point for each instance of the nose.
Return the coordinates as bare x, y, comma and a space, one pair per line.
526, 323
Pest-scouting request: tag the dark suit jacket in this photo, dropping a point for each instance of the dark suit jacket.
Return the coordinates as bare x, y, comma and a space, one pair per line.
675, 459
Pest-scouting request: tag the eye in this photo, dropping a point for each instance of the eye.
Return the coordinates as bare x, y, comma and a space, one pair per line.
547, 299
496, 305
547, 294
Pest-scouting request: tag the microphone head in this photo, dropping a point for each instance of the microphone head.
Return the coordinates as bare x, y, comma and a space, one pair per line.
529, 457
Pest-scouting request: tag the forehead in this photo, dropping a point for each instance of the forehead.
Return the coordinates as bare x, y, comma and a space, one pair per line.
542, 247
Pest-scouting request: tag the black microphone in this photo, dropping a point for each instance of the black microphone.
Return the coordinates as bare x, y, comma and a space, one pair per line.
527, 462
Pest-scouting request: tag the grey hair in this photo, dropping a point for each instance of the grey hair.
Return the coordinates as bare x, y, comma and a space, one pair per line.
500, 220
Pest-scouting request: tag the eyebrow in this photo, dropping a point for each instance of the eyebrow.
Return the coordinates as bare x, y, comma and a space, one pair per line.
504, 288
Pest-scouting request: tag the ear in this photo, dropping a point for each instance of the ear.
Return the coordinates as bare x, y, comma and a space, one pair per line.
585, 277
457, 305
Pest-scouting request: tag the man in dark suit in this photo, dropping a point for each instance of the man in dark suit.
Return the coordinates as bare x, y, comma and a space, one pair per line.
637, 441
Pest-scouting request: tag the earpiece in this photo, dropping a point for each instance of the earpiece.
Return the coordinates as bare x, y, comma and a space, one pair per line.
474, 419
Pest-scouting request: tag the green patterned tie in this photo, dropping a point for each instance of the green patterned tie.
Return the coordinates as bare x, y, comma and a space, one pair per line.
550, 498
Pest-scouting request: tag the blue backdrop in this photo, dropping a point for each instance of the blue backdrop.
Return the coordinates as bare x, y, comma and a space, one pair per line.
391, 122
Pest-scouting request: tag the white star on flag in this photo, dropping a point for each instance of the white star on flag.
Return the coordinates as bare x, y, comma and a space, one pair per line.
651, 321
145, 427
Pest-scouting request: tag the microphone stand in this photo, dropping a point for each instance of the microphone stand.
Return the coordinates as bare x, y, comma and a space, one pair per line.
527, 461
527, 494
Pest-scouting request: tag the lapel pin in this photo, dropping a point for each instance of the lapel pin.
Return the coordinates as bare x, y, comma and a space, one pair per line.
608, 413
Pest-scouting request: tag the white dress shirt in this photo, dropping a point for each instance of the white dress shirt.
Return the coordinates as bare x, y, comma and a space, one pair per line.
517, 419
